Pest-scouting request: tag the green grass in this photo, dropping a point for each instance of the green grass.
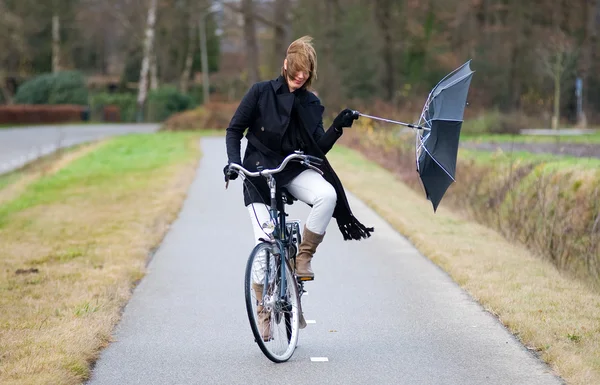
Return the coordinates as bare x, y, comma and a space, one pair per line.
8, 179
487, 157
75, 241
506, 138
120, 160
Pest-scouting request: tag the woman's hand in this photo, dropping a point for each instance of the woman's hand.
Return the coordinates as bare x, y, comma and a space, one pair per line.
229, 174
344, 119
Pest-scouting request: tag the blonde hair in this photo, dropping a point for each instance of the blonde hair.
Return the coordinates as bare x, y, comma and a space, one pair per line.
301, 56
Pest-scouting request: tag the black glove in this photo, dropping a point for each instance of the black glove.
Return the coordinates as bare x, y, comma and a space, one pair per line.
345, 119
229, 174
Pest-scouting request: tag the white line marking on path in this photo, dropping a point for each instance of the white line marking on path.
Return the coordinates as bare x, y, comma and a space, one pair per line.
311, 321
319, 359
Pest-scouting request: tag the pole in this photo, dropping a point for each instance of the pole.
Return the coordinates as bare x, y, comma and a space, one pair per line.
394, 122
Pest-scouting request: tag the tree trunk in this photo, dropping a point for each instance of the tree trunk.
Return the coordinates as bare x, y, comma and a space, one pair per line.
5, 92
148, 44
189, 59
204, 56
331, 91
590, 42
384, 19
55, 43
515, 80
251, 43
558, 70
153, 71
282, 33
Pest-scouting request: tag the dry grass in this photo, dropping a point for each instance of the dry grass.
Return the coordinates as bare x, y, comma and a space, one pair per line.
71, 257
49, 165
556, 316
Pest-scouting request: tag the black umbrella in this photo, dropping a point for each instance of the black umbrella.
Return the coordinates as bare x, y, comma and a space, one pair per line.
438, 132
437, 148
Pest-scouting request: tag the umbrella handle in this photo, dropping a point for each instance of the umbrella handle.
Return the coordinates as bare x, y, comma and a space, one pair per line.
356, 113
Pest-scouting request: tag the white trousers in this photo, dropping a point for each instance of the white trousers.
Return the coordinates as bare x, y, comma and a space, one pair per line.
309, 187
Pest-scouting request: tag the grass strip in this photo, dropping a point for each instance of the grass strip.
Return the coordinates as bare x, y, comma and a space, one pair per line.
508, 157
591, 138
553, 315
74, 244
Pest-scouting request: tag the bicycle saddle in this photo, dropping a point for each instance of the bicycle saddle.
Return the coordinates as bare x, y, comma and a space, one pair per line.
289, 198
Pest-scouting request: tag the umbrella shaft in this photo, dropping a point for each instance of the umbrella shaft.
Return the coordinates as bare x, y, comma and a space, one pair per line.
395, 122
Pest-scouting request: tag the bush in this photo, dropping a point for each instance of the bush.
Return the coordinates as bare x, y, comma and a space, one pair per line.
211, 116
35, 91
165, 101
495, 122
67, 87
125, 102
551, 207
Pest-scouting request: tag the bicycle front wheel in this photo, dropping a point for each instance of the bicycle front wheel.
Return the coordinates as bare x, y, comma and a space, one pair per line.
273, 309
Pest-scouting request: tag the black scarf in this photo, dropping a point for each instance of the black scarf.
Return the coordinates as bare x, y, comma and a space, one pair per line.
349, 226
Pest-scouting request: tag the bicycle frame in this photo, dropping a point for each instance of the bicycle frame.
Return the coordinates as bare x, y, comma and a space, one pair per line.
278, 237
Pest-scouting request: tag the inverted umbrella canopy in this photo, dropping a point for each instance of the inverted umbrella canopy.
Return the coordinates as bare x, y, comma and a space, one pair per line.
437, 144
438, 132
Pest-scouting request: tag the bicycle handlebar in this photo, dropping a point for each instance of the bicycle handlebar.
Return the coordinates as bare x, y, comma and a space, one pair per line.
308, 160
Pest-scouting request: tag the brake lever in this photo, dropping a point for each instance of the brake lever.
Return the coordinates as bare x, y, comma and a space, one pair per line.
314, 159
309, 165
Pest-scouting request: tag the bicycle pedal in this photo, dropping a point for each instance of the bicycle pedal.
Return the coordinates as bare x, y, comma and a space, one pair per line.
306, 279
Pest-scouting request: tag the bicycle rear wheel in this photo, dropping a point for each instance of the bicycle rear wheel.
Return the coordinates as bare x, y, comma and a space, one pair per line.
274, 318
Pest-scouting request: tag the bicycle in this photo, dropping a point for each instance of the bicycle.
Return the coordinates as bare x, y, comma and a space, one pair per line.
273, 291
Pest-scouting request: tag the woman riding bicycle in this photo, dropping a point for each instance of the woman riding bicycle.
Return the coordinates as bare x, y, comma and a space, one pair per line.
283, 116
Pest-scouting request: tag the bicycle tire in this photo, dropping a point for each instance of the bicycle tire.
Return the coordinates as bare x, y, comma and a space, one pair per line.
284, 335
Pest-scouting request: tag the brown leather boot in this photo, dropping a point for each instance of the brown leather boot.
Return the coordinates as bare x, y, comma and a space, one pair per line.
306, 250
263, 316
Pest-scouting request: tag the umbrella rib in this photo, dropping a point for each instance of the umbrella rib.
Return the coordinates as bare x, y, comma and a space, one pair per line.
451, 74
438, 163
448, 120
456, 81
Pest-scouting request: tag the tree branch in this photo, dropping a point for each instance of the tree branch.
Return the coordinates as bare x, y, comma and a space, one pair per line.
258, 17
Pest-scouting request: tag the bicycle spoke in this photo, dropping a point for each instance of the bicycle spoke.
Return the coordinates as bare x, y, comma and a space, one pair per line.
276, 327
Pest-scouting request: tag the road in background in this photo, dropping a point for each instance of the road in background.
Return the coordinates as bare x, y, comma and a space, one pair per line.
19, 146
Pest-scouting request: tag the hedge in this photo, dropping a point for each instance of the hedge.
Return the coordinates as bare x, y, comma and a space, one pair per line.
37, 114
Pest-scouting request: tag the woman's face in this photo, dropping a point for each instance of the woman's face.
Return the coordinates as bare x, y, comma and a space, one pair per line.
297, 81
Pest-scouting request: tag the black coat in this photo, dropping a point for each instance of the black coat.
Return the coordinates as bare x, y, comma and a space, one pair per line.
265, 111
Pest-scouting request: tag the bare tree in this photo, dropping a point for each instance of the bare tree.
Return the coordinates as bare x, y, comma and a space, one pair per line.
591, 9
385, 22
11, 36
282, 31
153, 70
251, 42
189, 58
55, 41
556, 58
148, 50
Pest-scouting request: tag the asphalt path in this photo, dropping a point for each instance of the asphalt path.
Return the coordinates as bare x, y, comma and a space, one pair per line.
378, 311
19, 146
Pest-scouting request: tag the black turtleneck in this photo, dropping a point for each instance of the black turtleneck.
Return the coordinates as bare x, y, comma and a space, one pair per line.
291, 140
